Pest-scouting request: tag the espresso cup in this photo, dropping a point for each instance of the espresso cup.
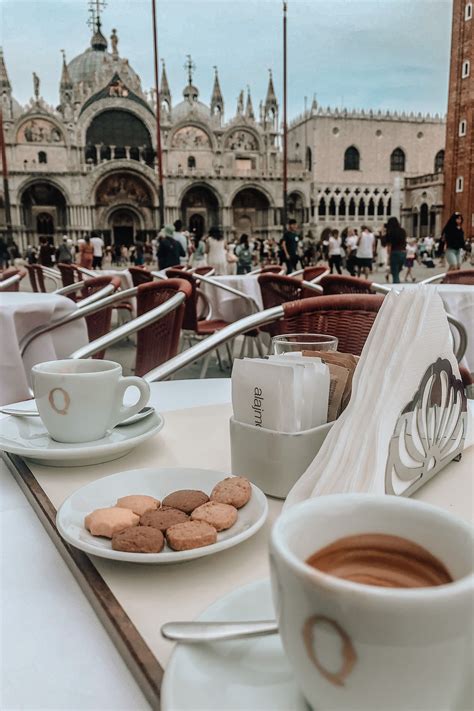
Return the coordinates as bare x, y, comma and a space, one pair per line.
355, 646
79, 400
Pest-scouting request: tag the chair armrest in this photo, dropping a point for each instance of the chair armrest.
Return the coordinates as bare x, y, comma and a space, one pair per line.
70, 289
130, 327
433, 279
312, 287
317, 279
4, 285
214, 341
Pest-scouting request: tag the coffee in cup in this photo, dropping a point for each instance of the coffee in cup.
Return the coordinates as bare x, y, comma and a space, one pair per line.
354, 644
80, 400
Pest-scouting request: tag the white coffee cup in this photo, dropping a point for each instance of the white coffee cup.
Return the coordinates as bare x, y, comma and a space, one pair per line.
355, 646
79, 400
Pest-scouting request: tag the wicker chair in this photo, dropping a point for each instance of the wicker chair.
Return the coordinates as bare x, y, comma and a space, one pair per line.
311, 273
140, 275
345, 285
36, 275
278, 289
272, 269
348, 317
205, 271
159, 342
99, 323
191, 320
8, 276
460, 276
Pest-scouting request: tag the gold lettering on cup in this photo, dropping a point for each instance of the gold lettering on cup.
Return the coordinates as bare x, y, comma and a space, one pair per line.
348, 654
61, 393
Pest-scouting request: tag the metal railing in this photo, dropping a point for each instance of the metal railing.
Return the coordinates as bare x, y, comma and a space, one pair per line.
11, 281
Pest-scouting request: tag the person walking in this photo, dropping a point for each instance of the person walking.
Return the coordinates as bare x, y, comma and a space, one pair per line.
86, 253
410, 260
289, 246
396, 240
243, 252
365, 252
46, 253
169, 250
63, 253
216, 251
335, 251
198, 252
351, 251
453, 236
98, 246
180, 237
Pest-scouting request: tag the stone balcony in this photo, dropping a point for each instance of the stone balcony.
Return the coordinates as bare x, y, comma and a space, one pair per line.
421, 181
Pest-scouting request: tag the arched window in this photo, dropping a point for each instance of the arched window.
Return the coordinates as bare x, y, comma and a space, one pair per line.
352, 159
361, 209
468, 11
389, 206
371, 208
42, 157
352, 207
342, 208
439, 162
309, 159
322, 208
466, 69
397, 160
191, 162
380, 208
332, 206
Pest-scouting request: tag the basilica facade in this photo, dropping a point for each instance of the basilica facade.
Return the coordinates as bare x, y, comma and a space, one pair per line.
90, 163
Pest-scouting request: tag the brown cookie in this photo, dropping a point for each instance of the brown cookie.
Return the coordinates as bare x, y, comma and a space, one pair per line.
221, 516
163, 518
140, 539
235, 490
106, 522
191, 534
186, 500
138, 503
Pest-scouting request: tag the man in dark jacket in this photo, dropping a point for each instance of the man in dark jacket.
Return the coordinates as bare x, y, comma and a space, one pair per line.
289, 246
169, 250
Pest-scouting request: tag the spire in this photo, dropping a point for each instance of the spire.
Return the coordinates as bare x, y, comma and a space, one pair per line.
165, 94
190, 92
98, 41
240, 103
217, 100
249, 107
4, 80
66, 82
271, 104
271, 99
314, 105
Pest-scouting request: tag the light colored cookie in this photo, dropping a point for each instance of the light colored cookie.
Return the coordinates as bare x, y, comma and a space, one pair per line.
139, 539
185, 500
190, 534
235, 490
106, 522
138, 503
221, 516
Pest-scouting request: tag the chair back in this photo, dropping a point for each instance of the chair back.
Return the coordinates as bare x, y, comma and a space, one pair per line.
272, 269
68, 273
190, 319
36, 275
310, 273
11, 272
205, 271
159, 341
278, 289
460, 276
98, 324
349, 317
140, 275
345, 285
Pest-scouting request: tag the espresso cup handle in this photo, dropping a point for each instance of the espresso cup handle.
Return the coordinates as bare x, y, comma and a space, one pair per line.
122, 411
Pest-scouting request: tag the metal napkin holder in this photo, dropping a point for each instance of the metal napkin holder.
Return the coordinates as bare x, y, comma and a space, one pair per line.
430, 431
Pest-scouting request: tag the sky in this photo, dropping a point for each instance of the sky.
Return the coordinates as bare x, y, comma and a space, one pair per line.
370, 54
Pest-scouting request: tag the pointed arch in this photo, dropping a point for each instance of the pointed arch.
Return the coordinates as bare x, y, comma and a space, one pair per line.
439, 162
389, 206
322, 208
352, 207
371, 208
397, 160
380, 208
361, 208
342, 207
352, 159
332, 206
309, 159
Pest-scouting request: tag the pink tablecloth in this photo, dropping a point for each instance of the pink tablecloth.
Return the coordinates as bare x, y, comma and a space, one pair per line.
20, 313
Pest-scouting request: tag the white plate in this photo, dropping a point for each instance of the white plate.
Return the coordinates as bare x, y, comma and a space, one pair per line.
242, 675
28, 437
158, 483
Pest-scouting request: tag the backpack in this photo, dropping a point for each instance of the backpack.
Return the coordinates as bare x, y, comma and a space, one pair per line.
245, 257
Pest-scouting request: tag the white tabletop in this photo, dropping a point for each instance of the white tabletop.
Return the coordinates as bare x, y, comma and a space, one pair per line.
20, 313
59, 656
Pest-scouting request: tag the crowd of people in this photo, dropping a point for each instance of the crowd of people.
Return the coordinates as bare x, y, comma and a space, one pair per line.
356, 251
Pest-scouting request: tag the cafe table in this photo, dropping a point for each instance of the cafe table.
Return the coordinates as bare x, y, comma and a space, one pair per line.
20, 313
56, 654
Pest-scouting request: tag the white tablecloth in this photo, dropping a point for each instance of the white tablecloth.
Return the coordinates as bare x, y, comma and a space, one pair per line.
458, 300
20, 313
227, 306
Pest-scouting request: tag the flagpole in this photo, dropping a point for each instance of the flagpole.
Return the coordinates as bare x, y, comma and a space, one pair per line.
285, 126
6, 191
159, 152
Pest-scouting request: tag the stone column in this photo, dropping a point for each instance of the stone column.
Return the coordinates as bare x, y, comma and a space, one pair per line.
396, 197
127, 152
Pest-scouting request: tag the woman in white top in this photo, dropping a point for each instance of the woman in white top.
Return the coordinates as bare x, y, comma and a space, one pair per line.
365, 252
351, 251
216, 251
335, 251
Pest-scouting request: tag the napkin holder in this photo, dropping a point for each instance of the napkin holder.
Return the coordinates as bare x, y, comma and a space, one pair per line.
274, 461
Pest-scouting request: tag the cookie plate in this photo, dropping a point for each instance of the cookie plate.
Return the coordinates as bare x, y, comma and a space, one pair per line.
158, 483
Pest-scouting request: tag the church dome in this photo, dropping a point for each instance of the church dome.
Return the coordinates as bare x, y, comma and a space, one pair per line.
191, 108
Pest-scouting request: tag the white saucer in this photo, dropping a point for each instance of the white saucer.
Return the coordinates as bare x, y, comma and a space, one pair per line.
28, 437
158, 483
242, 675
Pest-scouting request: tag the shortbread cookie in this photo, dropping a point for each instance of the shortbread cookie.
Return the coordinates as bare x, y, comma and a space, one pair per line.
138, 503
186, 500
106, 522
163, 518
235, 490
221, 516
191, 534
139, 539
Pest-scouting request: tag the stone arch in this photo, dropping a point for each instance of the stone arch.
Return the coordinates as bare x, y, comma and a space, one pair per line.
123, 186
43, 202
398, 160
200, 207
101, 171
244, 130
297, 206
250, 210
56, 136
188, 139
352, 207
254, 186
439, 161
309, 159
118, 133
322, 207
352, 158
118, 104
